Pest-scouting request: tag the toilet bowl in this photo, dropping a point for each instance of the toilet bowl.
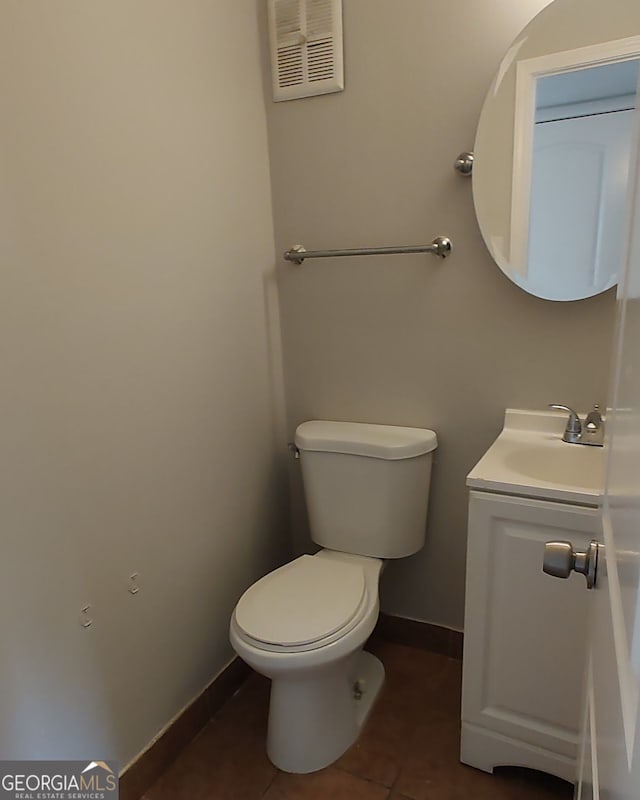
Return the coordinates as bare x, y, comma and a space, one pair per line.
304, 626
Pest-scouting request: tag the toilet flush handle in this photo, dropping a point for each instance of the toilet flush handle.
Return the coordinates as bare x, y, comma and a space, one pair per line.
296, 453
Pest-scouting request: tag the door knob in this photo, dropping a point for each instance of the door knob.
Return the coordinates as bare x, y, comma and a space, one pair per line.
560, 560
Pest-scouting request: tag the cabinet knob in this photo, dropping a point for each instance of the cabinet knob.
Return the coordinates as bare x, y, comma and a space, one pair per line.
560, 560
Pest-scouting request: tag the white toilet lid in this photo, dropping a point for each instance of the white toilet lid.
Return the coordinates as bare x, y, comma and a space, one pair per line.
304, 601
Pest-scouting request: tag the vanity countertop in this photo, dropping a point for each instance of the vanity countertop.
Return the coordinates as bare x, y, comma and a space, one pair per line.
530, 459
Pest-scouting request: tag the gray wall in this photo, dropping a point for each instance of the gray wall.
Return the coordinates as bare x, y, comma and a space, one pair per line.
139, 348
409, 340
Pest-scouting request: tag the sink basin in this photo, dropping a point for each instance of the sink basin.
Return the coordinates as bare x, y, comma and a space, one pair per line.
564, 464
529, 458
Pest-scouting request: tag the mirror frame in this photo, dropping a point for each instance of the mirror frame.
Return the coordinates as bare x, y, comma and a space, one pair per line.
528, 71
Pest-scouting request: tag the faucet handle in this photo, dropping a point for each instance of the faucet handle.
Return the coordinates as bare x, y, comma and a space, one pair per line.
593, 422
574, 426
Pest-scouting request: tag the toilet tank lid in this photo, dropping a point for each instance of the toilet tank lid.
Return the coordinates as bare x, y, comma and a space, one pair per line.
389, 442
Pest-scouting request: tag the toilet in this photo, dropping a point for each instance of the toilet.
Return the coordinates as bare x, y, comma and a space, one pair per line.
305, 624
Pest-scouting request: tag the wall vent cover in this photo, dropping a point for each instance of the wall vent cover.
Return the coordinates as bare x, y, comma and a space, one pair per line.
306, 47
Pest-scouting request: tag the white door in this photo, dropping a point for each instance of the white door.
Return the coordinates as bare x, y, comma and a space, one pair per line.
610, 763
578, 203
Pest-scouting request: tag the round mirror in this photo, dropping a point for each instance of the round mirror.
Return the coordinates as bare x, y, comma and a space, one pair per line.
553, 149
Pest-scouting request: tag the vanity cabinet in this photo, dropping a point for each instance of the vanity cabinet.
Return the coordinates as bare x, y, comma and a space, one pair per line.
525, 636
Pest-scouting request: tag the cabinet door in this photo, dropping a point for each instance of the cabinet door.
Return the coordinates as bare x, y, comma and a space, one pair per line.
525, 632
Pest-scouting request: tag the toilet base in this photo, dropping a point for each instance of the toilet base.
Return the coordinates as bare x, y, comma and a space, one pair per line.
315, 717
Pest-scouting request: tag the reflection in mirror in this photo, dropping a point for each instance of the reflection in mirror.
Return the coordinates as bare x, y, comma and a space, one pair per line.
580, 166
552, 149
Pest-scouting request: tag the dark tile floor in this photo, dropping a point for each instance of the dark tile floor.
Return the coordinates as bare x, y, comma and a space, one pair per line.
408, 750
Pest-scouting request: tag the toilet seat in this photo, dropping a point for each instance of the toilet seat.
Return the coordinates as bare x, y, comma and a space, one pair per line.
306, 604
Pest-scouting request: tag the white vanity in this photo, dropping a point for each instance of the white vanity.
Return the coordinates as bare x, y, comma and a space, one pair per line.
525, 632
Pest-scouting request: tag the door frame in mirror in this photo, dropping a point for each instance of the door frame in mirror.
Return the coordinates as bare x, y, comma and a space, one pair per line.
527, 73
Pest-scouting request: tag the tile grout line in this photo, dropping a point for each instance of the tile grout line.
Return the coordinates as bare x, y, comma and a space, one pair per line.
271, 782
361, 777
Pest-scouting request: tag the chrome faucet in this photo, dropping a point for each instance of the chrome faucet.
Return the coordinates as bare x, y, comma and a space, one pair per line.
591, 433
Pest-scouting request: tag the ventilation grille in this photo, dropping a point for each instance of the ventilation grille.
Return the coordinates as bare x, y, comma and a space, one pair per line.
306, 47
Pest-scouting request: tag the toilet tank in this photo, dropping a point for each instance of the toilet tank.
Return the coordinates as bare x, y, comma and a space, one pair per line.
366, 486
